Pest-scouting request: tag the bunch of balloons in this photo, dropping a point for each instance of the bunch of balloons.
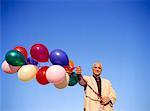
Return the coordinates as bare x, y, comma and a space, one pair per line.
27, 68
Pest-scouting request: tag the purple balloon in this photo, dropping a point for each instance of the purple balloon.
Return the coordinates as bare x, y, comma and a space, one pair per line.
59, 57
30, 60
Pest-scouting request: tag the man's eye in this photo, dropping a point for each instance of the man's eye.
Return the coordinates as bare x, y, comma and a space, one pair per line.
97, 67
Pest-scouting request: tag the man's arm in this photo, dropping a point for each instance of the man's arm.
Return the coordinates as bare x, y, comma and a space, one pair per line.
112, 94
111, 98
81, 80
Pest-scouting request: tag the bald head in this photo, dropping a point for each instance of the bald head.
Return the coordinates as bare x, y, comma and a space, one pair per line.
97, 68
97, 63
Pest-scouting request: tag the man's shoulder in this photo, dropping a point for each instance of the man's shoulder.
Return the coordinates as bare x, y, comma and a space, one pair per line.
105, 80
87, 77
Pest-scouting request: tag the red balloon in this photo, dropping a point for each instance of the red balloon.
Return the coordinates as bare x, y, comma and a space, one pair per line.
41, 75
22, 50
70, 67
39, 52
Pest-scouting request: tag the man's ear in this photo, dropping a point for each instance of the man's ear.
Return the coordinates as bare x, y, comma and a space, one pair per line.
92, 68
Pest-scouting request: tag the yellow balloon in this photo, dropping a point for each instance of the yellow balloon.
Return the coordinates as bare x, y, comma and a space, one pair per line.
64, 83
27, 72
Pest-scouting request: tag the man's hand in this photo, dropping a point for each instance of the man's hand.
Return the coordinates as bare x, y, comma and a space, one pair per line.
105, 100
78, 70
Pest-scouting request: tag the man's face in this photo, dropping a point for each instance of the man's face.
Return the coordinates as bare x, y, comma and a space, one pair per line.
97, 69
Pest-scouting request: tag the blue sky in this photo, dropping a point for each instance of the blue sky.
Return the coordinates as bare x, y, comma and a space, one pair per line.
114, 33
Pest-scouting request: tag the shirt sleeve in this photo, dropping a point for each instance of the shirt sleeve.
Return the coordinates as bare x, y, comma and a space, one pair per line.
81, 80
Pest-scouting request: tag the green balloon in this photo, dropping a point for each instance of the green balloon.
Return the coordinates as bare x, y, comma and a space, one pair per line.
15, 58
73, 79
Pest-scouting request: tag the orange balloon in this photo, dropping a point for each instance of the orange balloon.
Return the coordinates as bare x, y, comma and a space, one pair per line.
71, 63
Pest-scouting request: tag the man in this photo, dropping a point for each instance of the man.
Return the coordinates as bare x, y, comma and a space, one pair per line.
99, 94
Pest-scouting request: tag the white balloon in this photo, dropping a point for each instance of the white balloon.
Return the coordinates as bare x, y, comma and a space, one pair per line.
55, 74
9, 68
64, 83
27, 72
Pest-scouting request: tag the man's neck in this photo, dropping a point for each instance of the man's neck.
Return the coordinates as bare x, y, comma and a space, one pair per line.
96, 76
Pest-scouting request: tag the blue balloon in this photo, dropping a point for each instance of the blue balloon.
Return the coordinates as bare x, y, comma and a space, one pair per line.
30, 60
59, 57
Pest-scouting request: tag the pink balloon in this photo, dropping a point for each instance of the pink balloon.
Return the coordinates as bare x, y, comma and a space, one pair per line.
9, 68
55, 74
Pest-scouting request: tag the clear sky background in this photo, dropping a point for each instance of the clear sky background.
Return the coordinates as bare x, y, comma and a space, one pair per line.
116, 33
